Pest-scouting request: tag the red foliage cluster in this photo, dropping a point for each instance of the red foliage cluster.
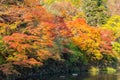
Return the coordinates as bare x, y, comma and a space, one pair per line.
106, 40
19, 41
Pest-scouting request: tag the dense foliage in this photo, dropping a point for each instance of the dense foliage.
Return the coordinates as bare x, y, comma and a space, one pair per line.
95, 12
31, 36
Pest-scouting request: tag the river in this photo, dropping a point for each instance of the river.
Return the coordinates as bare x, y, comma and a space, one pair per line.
77, 76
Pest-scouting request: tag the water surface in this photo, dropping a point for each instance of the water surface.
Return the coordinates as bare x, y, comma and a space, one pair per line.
80, 76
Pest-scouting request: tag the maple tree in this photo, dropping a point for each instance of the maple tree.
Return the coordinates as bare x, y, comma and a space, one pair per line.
28, 36
32, 35
85, 37
93, 42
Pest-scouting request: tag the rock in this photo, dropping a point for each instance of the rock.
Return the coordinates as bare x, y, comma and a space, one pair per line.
62, 76
74, 74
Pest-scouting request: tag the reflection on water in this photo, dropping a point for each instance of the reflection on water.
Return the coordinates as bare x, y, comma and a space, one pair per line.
80, 76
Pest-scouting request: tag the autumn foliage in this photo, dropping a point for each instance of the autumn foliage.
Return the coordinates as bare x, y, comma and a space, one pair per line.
94, 41
30, 36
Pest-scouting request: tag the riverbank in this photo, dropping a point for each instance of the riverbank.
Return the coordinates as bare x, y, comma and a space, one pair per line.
53, 67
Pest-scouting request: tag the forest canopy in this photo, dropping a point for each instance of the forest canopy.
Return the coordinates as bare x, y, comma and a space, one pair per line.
57, 34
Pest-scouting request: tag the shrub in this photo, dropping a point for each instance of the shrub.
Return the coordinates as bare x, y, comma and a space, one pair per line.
75, 54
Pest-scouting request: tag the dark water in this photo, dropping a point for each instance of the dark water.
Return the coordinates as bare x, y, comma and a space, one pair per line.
80, 76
